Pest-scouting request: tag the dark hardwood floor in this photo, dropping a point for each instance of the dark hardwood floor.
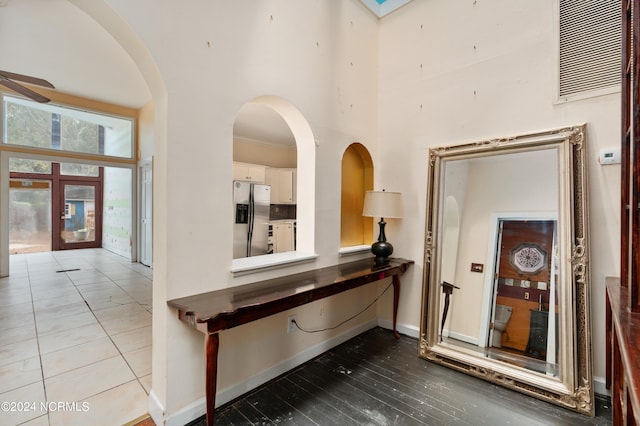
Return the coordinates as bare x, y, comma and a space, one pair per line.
374, 379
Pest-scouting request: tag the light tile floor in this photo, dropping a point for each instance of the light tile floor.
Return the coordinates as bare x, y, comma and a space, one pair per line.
75, 346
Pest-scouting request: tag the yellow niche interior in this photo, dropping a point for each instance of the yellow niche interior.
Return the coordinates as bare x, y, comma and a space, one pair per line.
357, 178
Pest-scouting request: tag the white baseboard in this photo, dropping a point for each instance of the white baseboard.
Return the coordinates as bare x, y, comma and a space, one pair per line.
600, 386
198, 408
407, 330
463, 338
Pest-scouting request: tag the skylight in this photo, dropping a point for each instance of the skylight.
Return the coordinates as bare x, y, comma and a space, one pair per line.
384, 7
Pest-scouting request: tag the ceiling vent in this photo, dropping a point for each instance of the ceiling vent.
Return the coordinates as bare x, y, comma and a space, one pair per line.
589, 45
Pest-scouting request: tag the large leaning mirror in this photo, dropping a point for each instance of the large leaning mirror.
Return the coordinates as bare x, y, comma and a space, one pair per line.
506, 273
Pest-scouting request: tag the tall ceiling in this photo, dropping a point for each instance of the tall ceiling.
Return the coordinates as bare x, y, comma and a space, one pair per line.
54, 40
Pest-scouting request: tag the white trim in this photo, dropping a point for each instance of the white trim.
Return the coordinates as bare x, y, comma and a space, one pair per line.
247, 265
600, 386
462, 337
198, 408
143, 165
406, 329
156, 410
587, 94
348, 251
4, 211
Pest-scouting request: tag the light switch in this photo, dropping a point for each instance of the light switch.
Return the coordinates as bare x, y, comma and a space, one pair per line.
477, 267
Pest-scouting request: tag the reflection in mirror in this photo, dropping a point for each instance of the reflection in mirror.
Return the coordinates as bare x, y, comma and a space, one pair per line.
505, 264
514, 294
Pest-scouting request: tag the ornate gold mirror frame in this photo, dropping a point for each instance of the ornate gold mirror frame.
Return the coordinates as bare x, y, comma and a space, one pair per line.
454, 280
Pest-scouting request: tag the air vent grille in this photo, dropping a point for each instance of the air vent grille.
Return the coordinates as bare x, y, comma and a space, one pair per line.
589, 45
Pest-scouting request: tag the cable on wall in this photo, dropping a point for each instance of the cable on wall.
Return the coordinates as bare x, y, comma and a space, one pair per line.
348, 319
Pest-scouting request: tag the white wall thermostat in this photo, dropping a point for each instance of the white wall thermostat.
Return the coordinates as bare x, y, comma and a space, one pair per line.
609, 156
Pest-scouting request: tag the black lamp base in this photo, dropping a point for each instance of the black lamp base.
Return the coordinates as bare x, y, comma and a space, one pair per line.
381, 248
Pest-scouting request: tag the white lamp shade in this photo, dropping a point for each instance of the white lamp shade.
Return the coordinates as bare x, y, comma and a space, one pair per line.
382, 204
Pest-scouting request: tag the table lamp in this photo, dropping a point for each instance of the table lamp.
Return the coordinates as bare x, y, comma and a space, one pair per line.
382, 204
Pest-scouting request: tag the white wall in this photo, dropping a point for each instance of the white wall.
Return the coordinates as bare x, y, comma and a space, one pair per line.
145, 132
454, 72
117, 212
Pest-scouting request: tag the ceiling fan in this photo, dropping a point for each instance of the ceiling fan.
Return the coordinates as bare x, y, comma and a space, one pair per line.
7, 80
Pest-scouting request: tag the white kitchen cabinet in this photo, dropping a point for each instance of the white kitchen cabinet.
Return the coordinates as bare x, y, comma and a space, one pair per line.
249, 172
283, 237
283, 185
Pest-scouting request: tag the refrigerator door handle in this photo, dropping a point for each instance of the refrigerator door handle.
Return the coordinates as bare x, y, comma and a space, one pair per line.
251, 219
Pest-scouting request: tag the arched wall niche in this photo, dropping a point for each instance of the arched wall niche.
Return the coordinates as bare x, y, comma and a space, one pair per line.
357, 178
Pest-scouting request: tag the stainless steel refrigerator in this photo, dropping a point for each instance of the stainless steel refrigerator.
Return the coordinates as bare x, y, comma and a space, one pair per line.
251, 225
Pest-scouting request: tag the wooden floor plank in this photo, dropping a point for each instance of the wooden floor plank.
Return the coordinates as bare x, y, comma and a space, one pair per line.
231, 416
250, 413
304, 401
363, 399
271, 404
377, 380
411, 401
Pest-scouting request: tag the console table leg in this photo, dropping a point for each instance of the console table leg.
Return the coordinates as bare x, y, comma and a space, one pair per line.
211, 344
396, 300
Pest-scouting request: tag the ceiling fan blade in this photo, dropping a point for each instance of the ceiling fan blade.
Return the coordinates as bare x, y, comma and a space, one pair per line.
26, 79
23, 90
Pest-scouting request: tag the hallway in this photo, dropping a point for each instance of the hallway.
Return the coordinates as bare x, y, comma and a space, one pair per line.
75, 339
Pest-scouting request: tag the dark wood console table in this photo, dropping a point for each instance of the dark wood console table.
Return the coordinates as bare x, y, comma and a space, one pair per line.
219, 310
623, 355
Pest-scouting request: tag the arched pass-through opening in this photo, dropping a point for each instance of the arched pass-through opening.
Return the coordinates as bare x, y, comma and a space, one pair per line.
305, 193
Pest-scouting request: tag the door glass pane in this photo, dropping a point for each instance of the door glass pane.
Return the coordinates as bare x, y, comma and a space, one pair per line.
29, 216
79, 214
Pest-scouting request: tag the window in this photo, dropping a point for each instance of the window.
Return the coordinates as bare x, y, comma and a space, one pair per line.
589, 46
24, 165
75, 169
50, 126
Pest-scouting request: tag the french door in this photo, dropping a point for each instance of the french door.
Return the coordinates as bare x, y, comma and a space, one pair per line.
78, 215
52, 211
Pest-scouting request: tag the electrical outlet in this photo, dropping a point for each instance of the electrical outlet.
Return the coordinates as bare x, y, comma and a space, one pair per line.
291, 327
526, 295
